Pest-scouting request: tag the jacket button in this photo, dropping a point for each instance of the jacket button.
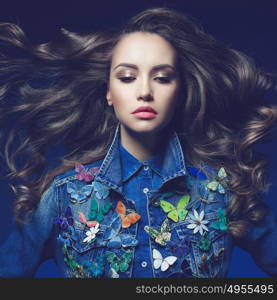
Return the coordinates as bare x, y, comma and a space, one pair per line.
145, 168
144, 264
145, 190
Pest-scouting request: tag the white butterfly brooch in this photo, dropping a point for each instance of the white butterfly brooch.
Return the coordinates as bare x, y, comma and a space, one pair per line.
219, 182
163, 263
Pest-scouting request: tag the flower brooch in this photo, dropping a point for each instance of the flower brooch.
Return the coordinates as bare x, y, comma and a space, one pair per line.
91, 233
197, 222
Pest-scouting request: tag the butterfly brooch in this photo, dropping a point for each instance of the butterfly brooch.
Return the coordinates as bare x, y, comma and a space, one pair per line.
70, 261
100, 190
219, 182
119, 263
113, 274
126, 219
162, 263
97, 213
204, 243
95, 268
206, 261
66, 221
221, 223
78, 194
86, 222
66, 237
185, 271
178, 212
113, 238
161, 236
85, 174
180, 248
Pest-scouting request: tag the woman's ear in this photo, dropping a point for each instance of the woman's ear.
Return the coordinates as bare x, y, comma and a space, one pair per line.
108, 97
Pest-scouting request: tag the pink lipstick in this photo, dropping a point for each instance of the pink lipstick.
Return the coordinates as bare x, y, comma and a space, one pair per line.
145, 112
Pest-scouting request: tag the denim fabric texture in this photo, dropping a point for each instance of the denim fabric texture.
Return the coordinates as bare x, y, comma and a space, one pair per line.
91, 230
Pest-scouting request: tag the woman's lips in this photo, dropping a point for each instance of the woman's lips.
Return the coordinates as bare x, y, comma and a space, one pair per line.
145, 114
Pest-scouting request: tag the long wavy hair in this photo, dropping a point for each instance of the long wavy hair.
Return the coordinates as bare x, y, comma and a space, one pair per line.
53, 95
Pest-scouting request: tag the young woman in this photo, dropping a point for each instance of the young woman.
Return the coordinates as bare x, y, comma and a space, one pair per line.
156, 126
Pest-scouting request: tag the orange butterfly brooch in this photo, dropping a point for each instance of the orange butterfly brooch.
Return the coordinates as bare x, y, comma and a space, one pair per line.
126, 220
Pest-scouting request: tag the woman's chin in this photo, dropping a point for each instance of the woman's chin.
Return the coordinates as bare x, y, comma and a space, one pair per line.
143, 129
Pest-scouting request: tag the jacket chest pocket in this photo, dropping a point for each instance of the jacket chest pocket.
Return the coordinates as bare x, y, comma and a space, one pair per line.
206, 250
102, 255
80, 258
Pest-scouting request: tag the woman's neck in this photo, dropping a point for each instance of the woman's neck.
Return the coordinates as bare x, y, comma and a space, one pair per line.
141, 146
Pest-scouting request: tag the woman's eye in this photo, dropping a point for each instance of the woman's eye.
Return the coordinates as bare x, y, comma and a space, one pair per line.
126, 79
163, 79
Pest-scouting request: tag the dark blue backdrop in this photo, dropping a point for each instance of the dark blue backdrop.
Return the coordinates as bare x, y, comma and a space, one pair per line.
244, 25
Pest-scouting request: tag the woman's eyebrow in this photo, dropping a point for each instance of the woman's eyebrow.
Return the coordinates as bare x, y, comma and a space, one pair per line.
154, 68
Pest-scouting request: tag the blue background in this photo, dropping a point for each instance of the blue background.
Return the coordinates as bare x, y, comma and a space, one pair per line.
244, 25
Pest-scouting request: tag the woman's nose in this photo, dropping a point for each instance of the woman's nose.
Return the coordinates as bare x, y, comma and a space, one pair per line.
145, 91
145, 97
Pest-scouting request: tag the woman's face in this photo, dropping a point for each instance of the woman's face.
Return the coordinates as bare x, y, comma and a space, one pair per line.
143, 73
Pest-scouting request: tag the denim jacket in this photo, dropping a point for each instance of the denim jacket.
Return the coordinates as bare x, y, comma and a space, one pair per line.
88, 221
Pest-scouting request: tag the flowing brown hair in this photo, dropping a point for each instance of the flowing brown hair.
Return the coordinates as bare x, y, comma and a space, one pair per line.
53, 94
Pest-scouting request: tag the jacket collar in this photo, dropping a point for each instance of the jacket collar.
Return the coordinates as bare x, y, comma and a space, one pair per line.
131, 165
168, 164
